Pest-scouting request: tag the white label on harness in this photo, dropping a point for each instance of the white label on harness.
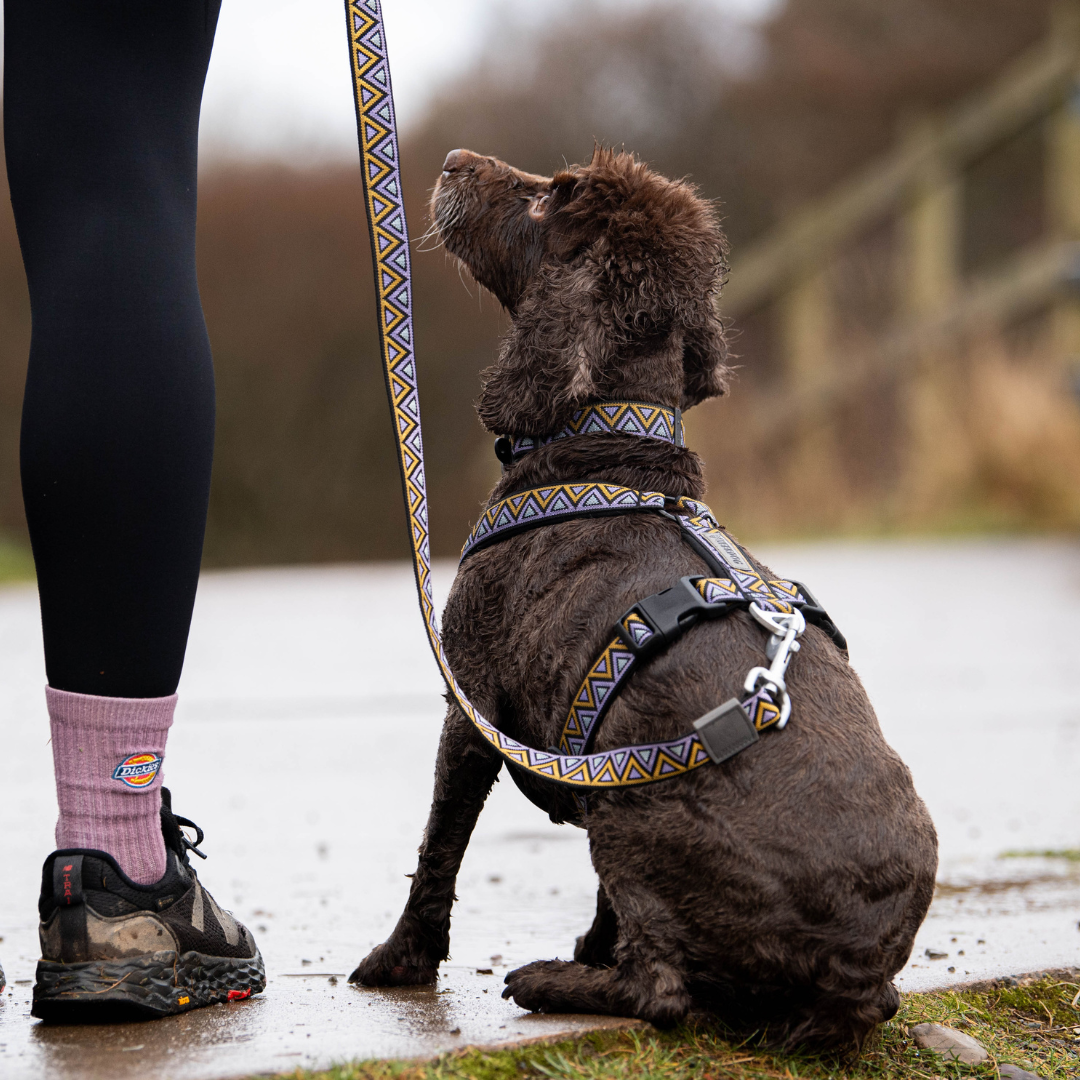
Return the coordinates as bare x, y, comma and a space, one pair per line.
728, 551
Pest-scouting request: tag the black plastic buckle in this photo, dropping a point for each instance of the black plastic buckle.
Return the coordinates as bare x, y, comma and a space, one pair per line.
815, 614
668, 614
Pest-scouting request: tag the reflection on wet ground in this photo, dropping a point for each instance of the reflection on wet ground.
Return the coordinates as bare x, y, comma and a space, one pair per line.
304, 746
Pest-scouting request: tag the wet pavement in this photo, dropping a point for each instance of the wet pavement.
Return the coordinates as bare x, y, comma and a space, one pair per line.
304, 742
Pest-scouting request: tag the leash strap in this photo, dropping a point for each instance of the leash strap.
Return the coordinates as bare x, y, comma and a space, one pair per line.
717, 735
377, 136
603, 418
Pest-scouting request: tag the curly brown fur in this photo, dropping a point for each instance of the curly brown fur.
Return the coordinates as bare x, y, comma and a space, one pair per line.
784, 886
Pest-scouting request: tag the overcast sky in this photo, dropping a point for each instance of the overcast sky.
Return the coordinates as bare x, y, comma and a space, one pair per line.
279, 78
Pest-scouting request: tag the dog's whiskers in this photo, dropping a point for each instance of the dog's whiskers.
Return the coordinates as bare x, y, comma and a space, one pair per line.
433, 233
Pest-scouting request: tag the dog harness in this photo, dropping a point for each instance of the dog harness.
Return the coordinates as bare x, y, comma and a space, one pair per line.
782, 607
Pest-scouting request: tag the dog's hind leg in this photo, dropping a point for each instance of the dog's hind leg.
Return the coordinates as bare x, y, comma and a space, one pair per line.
464, 772
596, 947
646, 980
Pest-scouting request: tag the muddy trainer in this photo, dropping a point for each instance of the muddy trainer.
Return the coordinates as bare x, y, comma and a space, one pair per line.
158, 949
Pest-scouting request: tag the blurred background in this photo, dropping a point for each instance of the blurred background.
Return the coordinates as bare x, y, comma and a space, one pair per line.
899, 179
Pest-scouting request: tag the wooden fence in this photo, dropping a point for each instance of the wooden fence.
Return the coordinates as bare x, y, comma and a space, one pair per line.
918, 190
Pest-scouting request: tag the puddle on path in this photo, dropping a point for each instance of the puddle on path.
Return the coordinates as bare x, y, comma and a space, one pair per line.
307, 690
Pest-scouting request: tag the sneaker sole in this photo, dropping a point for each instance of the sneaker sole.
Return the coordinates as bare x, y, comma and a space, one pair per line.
154, 984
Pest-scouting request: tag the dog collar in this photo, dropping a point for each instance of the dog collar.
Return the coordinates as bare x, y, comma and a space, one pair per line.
603, 418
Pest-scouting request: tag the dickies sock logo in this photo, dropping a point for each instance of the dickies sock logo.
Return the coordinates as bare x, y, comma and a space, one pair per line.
138, 771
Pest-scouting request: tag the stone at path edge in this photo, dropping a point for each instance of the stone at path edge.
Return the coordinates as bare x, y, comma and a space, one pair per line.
1014, 1072
949, 1043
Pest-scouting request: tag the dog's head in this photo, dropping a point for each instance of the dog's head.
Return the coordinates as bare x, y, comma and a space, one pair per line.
610, 274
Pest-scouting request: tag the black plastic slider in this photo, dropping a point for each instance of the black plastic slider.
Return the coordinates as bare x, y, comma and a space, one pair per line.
504, 449
726, 731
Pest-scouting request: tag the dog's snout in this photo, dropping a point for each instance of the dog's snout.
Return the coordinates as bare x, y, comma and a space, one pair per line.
454, 160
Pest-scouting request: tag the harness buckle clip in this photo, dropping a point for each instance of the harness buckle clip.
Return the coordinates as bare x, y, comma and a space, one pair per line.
817, 615
781, 646
667, 616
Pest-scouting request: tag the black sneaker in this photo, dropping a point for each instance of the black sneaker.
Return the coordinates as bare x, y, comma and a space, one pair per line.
111, 945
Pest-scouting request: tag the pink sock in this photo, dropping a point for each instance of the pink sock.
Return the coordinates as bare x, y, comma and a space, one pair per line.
107, 755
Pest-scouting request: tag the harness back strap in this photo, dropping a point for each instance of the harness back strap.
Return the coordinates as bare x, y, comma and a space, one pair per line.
737, 580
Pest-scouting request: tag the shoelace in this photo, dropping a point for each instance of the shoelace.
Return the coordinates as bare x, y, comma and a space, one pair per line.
187, 823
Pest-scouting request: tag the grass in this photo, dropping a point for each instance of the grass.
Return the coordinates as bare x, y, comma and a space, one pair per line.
16, 562
1034, 1024
1068, 854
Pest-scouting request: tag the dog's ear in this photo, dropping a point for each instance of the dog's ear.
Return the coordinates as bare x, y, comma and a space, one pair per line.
705, 357
666, 260
549, 360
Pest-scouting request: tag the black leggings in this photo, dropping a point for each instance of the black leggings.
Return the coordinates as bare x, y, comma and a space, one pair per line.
101, 117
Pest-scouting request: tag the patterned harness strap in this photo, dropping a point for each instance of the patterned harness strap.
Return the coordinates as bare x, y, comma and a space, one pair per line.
657, 620
545, 505
602, 418
626, 766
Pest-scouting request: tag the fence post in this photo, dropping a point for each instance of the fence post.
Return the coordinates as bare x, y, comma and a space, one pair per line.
930, 229
1063, 182
806, 328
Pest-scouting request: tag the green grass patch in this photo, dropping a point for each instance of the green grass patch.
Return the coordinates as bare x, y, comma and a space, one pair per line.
16, 561
1034, 1024
1069, 854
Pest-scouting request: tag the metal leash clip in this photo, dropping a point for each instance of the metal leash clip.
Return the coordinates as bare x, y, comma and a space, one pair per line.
781, 646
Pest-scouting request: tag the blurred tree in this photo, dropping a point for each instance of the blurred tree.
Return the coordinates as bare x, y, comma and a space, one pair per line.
762, 118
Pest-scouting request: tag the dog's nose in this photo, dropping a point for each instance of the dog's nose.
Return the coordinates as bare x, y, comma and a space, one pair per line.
454, 160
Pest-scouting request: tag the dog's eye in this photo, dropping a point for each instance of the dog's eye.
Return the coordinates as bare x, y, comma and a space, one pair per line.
537, 206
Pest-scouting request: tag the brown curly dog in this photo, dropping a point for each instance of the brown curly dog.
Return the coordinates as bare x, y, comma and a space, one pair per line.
783, 886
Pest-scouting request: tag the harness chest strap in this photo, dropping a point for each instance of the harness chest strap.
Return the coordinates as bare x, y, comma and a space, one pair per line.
649, 626
656, 621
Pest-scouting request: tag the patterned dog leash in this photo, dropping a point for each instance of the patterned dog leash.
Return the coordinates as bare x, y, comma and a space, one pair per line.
715, 734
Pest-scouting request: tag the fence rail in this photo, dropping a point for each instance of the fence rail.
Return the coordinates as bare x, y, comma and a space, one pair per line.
920, 184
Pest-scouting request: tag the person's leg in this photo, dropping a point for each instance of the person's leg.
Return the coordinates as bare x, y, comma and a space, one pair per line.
101, 112
101, 105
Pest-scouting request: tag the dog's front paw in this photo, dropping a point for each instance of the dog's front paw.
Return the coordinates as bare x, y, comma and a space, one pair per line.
530, 986
407, 958
386, 965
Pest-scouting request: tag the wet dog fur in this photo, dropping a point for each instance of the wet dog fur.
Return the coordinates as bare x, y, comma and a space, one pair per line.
784, 886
